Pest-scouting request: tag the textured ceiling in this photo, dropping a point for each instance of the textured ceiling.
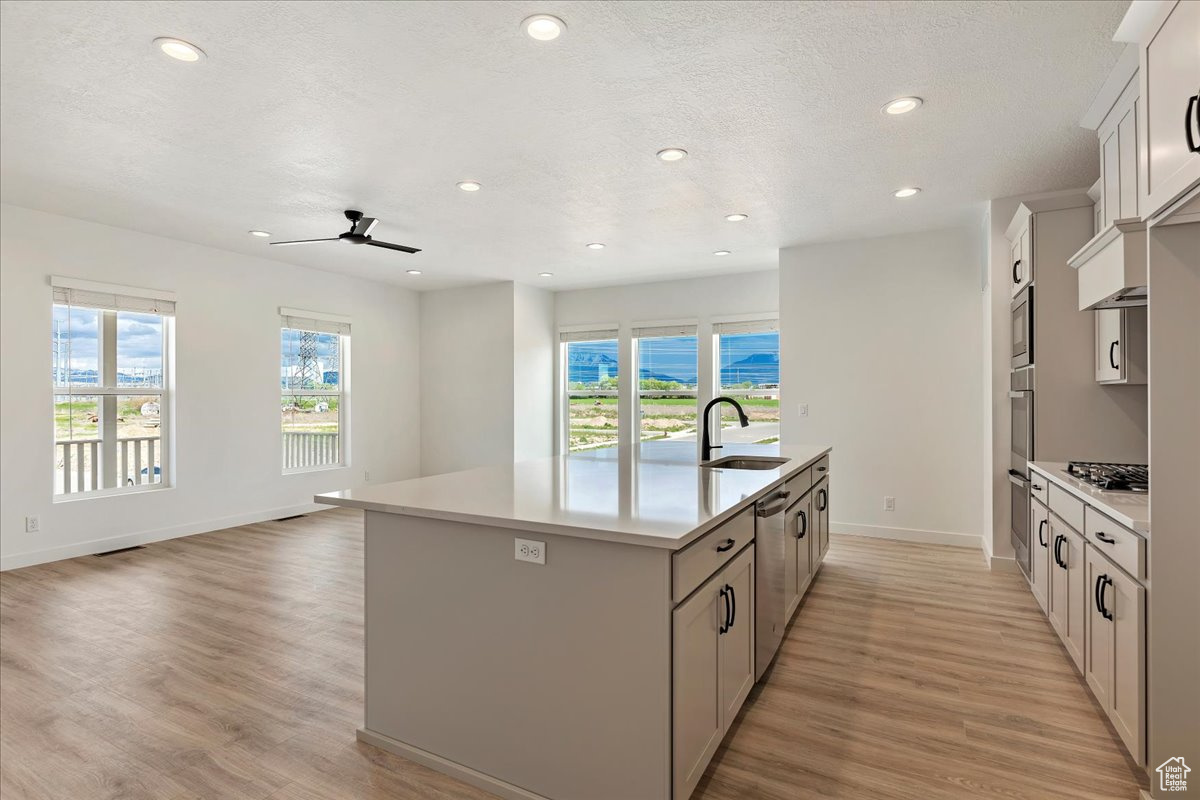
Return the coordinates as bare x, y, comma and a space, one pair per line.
303, 109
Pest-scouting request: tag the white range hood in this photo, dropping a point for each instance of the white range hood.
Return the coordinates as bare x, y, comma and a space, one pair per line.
1112, 267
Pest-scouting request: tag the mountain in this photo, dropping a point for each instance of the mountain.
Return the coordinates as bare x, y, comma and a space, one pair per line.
758, 368
589, 366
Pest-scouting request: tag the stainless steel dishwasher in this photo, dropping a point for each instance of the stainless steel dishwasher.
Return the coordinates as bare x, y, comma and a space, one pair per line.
770, 610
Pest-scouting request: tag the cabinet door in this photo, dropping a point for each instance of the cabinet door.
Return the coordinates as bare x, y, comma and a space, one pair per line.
792, 580
801, 536
1170, 76
1039, 554
821, 499
697, 720
1073, 636
1098, 646
737, 643
1057, 594
1109, 344
1015, 267
1125, 601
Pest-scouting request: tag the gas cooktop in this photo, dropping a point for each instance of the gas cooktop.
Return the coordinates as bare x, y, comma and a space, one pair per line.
1111, 477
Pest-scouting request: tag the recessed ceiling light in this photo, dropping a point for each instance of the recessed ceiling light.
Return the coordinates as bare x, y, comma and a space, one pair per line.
413, 271
902, 105
736, 217
179, 49
545, 274
259, 234
720, 252
543, 27
672, 154
470, 186
906, 192
596, 246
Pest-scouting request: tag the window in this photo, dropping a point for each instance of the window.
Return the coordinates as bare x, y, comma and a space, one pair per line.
110, 360
667, 359
313, 369
748, 371
589, 369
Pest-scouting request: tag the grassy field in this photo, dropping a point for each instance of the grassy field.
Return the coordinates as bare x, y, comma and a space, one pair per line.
79, 418
593, 420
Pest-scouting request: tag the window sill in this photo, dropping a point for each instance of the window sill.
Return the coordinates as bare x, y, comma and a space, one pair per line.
307, 470
120, 491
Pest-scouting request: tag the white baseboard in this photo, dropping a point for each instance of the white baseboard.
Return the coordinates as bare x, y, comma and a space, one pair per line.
88, 548
908, 534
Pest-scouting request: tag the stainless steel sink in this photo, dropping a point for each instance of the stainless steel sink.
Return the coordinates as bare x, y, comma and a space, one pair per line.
746, 462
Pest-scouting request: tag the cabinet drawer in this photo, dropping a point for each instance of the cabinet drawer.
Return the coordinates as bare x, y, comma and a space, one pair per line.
691, 566
1122, 546
820, 469
799, 483
1039, 487
1068, 507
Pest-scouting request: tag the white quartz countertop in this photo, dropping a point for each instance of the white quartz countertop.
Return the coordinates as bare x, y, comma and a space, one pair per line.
1131, 509
656, 495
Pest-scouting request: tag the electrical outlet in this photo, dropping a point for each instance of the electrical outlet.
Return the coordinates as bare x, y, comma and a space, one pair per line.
531, 551
32, 524
802, 409
889, 503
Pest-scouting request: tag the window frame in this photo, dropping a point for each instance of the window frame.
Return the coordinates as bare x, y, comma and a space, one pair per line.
600, 332
340, 327
669, 329
106, 353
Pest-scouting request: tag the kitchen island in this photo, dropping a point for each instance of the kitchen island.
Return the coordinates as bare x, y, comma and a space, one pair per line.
580, 626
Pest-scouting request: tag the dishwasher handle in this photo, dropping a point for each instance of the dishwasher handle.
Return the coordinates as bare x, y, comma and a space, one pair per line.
775, 506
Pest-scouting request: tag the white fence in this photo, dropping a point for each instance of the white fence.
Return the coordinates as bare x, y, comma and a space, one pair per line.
307, 449
77, 464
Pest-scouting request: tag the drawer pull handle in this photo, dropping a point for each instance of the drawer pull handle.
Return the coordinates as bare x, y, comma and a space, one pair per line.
822, 469
1101, 583
1058, 541
1016, 272
1104, 537
724, 626
724, 548
1036, 487
1112, 355
803, 524
733, 606
1041, 537
1193, 102
823, 496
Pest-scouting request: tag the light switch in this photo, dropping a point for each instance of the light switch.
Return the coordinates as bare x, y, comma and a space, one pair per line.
802, 409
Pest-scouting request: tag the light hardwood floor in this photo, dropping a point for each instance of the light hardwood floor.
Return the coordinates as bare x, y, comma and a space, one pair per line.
229, 665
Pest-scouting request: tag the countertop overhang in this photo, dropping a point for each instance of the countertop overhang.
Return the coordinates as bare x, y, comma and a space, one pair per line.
1130, 509
655, 495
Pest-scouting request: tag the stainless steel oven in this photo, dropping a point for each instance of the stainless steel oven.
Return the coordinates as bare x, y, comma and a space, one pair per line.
1020, 398
1022, 328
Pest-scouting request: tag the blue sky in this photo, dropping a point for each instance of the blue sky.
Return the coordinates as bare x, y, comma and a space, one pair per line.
677, 356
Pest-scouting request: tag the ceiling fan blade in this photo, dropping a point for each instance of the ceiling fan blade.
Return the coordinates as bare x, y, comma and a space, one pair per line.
363, 226
306, 241
391, 246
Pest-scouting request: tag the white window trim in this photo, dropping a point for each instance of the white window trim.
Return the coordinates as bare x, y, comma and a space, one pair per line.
604, 332
662, 329
165, 393
340, 326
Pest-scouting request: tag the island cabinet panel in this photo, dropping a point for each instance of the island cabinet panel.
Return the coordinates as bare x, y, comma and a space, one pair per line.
554, 678
1039, 558
799, 558
697, 686
713, 667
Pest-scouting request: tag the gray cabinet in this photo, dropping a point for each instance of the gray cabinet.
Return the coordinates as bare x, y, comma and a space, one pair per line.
1066, 587
1039, 555
1169, 116
713, 667
798, 554
820, 515
1115, 655
1121, 345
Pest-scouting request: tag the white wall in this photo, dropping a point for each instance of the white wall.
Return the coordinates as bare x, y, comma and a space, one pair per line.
227, 444
534, 340
467, 375
487, 370
880, 337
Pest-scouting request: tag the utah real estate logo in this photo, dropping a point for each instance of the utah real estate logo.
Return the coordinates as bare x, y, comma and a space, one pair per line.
1172, 775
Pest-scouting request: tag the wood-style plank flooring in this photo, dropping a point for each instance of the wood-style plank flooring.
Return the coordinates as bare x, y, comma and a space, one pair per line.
229, 665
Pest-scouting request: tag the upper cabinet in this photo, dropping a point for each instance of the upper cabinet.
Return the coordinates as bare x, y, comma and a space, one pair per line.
1169, 111
1020, 239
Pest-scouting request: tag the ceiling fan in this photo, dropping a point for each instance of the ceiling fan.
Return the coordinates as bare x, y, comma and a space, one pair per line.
359, 233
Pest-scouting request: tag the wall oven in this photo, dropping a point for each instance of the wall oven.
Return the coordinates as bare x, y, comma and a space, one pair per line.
1020, 398
1022, 328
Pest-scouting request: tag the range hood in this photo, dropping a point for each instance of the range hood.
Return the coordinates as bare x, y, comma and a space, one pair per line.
1112, 267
